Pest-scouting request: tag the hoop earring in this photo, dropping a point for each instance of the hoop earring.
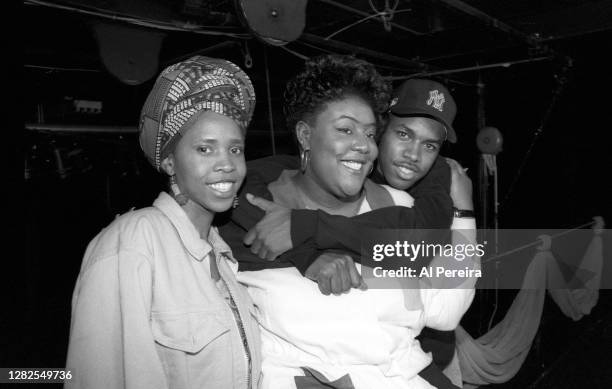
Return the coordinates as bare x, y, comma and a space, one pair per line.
236, 202
371, 169
179, 197
304, 159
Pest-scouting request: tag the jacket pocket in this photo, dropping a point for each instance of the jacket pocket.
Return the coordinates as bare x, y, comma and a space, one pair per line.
189, 332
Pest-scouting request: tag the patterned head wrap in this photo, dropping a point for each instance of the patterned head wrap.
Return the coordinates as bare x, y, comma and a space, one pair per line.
186, 88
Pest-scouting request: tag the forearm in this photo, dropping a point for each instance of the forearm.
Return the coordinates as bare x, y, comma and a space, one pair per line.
344, 233
432, 210
300, 257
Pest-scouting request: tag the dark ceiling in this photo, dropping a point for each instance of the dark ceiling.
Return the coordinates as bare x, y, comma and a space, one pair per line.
430, 35
69, 44
83, 168
540, 62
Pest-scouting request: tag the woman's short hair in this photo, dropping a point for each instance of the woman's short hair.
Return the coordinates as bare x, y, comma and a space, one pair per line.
330, 78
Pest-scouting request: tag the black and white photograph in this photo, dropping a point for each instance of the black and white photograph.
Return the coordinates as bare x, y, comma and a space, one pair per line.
311, 194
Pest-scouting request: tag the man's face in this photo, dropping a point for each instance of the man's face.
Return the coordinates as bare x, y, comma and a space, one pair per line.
408, 148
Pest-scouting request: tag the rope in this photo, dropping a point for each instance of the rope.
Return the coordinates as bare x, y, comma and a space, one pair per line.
589, 224
561, 80
381, 14
302, 56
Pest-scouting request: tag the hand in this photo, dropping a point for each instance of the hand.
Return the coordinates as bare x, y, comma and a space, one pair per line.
461, 186
335, 273
271, 236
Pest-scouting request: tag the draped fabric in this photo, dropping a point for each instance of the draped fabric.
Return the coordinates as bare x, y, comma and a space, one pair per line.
497, 356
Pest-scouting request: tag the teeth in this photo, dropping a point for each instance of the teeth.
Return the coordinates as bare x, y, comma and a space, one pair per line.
222, 186
353, 165
406, 170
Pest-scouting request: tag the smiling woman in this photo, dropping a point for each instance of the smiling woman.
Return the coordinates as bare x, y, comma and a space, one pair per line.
342, 151
365, 338
335, 107
208, 163
157, 303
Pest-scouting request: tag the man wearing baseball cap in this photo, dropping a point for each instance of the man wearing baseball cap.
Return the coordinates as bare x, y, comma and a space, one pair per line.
420, 119
421, 113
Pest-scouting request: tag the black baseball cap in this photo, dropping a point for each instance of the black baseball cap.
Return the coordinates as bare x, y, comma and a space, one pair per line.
418, 96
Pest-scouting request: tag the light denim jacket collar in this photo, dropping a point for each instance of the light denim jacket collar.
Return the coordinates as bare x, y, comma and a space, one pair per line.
189, 235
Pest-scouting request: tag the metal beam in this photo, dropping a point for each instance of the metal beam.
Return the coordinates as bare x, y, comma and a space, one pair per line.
489, 20
81, 128
93, 129
506, 64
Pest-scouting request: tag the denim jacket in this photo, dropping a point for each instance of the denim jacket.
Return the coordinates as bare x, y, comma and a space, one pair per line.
147, 314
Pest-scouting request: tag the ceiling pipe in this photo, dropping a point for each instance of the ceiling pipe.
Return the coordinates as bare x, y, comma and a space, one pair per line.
506, 64
490, 21
346, 47
71, 128
94, 129
367, 14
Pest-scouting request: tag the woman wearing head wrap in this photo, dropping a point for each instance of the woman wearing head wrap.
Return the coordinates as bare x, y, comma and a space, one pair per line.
365, 338
156, 303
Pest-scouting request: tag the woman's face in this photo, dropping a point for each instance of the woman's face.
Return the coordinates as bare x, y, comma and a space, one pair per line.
342, 146
208, 162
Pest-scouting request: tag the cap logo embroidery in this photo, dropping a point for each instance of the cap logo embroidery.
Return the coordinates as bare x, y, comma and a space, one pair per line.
436, 100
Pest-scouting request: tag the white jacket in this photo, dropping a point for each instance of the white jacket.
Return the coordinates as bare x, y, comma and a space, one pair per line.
369, 335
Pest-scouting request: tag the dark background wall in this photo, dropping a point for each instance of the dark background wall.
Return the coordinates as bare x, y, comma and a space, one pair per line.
565, 182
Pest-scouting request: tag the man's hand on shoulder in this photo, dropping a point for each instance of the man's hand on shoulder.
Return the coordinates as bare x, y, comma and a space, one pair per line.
271, 236
335, 273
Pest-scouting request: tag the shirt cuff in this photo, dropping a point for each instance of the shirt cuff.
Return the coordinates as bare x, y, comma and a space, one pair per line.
463, 223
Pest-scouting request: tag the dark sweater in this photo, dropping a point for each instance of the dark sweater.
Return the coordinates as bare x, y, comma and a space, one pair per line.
314, 231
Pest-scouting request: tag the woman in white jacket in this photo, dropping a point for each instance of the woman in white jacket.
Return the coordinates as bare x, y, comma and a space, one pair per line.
157, 303
362, 339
